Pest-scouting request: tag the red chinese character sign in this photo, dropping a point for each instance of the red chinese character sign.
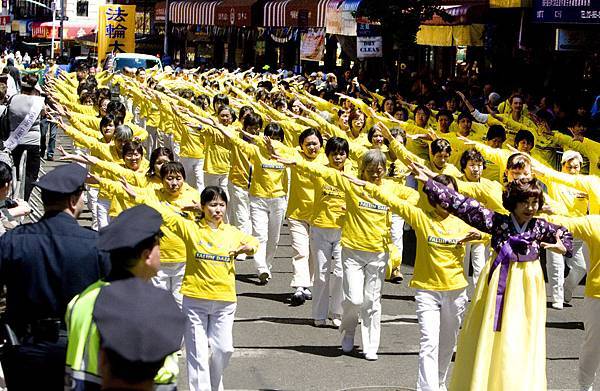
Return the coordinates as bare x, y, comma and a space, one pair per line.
116, 30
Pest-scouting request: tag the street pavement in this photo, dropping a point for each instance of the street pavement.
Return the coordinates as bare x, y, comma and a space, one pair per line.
278, 348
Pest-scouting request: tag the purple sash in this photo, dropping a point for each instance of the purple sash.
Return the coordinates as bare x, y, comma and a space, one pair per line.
511, 251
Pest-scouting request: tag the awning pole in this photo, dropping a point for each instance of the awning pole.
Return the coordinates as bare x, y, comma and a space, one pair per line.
166, 44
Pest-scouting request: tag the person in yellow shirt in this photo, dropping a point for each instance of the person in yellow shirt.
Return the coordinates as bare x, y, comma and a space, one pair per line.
439, 279
208, 288
365, 238
217, 153
586, 229
268, 199
325, 234
577, 204
495, 138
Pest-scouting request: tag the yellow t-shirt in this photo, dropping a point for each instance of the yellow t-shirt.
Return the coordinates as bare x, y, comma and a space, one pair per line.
439, 260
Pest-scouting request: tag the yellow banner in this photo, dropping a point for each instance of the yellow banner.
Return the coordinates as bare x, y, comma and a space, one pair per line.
116, 30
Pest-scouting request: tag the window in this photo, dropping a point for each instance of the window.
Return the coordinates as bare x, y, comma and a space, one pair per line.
82, 8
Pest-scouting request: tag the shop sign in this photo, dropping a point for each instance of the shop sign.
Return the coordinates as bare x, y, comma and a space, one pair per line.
567, 11
70, 30
339, 18
116, 30
232, 17
369, 43
312, 45
576, 40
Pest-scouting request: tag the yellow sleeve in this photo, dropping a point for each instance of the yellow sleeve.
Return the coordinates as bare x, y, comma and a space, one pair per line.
404, 154
119, 171
328, 174
413, 215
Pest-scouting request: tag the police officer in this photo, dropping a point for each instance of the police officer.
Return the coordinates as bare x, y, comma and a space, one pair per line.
139, 326
132, 239
43, 266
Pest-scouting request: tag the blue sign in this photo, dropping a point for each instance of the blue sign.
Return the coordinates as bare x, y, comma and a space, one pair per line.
567, 11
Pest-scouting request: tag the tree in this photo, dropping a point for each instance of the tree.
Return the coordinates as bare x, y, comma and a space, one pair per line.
400, 19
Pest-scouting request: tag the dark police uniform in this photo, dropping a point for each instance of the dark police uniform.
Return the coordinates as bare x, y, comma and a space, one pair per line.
43, 266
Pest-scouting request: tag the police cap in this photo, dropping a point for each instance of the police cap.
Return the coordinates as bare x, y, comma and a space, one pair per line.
138, 321
64, 179
130, 228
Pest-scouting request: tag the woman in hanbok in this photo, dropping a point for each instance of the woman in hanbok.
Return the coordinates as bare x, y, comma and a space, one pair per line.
502, 344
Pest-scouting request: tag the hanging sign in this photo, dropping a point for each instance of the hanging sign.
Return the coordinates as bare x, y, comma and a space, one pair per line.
116, 30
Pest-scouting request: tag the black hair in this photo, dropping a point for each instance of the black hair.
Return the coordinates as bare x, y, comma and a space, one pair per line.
545, 116
382, 106
521, 189
28, 82
5, 174
273, 130
158, 152
228, 108
310, 132
279, 103
440, 145
172, 168
252, 119
244, 111
423, 108
211, 193
466, 115
220, 99
116, 108
496, 131
337, 144
471, 154
446, 180
399, 132
526, 135
445, 113
106, 120
132, 146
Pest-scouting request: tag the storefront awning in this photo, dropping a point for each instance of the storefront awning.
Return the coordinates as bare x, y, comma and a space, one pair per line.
295, 13
193, 12
457, 35
459, 15
339, 17
71, 30
234, 13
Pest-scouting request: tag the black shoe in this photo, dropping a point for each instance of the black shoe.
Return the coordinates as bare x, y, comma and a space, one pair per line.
49, 158
263, 278
298, 298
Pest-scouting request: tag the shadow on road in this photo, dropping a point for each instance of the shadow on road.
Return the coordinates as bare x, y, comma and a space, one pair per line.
278, 297
565, 325
271, 319
398, 297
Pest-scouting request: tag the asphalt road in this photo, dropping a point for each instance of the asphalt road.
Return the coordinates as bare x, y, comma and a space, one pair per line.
277, 348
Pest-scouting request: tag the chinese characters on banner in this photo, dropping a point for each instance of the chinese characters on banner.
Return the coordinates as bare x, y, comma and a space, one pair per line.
369, 42
312, 45
116, 30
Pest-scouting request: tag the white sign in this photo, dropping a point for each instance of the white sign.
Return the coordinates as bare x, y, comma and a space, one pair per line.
369, 47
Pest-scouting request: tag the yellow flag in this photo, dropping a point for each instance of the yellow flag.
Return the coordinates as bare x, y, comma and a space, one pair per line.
116, 30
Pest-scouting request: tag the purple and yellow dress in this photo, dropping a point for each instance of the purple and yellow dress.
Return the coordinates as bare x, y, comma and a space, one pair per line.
502, 344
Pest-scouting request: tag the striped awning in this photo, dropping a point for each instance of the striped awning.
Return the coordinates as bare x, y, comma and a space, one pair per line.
193, 12
295, 13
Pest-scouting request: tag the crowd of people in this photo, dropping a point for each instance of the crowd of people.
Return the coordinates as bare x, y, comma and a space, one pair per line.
488, 182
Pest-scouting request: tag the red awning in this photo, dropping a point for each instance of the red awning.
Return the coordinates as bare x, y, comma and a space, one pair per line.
460, 15
295, 13
193, 12
234, 13
72, 30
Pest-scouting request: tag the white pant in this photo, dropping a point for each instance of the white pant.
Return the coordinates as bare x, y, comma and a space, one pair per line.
439, 314
301, 253
102, 208
216, 180
152, 141
477, 254
194, 172
209, 323
92, 203
169, 277
326, 255
589, 359
238, 208
267, 217
555, 264
363, 277
397, 232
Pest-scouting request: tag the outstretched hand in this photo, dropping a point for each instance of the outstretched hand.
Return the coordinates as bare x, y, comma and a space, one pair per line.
469, 237
421, 172
557, 247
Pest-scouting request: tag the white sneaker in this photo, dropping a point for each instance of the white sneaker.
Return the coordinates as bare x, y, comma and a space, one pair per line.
557, 306
307, 293
347, 343
320, 322
371, 356
586, 388
337, 322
